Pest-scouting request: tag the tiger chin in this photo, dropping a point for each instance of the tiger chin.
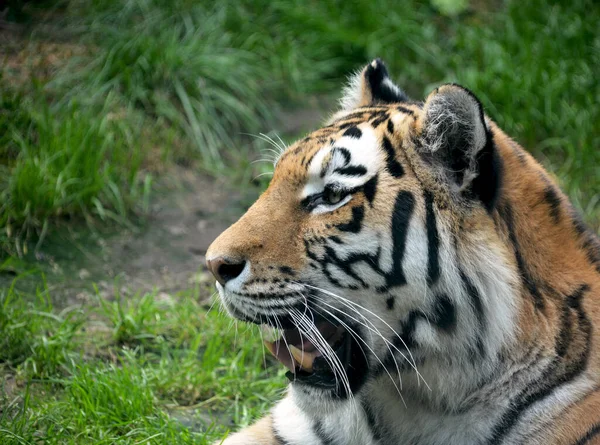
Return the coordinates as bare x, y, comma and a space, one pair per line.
429, 281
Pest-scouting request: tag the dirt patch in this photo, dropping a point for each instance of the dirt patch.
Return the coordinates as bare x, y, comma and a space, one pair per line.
169, 254
165, 255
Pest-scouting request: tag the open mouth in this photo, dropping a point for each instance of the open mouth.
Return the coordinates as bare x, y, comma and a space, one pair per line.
328, 359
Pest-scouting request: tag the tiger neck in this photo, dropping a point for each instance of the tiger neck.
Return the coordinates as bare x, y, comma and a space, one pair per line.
555, 254
552, 265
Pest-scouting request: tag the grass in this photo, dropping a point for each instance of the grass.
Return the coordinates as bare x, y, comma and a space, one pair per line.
189, 80
99, 98
67, 162
127, 370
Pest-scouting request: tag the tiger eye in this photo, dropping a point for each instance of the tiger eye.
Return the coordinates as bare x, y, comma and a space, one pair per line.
332, 196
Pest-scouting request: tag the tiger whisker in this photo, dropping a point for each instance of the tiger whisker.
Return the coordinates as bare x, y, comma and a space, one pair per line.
263, 174
324, 347
281, 148
354, 335
349, 302
357, 337
316, 339
256, 161
352, 303
262, 340
214, 302
387, 343
280, 328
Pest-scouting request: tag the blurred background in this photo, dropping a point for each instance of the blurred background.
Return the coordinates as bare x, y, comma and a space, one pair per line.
133, 131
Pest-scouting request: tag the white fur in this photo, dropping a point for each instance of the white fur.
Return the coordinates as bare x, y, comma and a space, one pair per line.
352, 92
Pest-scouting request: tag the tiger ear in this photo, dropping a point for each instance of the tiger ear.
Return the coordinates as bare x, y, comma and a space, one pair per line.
455, 138
371, 86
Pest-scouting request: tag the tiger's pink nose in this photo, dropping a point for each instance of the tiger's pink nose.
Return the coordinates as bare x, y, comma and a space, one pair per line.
225, 269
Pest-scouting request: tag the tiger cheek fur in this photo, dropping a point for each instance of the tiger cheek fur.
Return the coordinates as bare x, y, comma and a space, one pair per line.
430, 282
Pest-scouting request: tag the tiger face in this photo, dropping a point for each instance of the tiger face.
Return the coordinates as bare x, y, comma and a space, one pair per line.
356, 251
428, 279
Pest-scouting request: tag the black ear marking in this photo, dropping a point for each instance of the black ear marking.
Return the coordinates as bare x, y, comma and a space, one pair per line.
486, 186
370, 87
379, 83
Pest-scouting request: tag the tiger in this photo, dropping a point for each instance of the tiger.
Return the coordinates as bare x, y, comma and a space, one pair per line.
428, 281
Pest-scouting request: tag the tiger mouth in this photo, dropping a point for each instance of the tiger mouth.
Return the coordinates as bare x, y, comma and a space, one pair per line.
298, 353
341, 371
309, 365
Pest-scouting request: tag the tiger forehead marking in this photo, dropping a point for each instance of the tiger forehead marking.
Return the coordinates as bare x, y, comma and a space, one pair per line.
348, 161
428, 279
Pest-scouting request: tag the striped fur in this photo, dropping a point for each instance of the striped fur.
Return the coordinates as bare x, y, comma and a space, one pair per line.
452, 254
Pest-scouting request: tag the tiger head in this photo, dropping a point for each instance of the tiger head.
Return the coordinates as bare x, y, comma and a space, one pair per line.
377, 249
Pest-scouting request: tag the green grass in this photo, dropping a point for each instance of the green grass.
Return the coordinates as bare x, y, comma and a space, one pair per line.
189, 80
176, 65
65, 162
127, 370
151, 83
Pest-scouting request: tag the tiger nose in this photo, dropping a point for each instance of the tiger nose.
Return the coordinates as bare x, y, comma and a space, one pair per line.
225, 269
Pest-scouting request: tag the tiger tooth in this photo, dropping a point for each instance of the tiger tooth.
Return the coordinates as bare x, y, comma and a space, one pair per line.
303, 359
271, 347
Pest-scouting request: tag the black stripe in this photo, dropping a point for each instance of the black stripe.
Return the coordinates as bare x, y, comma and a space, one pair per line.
390, 303
578, 223
353, 132
320, 432
406, 340
565, 335
487, 185
390, 126
379, 120
371, 421
344, 265
560, 371
355, 224
405, 110
505, 211
280, 440
330, 258
591, 246
348, 124
594, 431
589, 241
356, 115
351, 170
393, 166
403, 209
433, 242
344, 152
477, 305
443, 316
553, 200
444, 313
370, 189
286, 270
309, 159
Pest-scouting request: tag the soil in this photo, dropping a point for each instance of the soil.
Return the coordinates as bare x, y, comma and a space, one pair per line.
165, 255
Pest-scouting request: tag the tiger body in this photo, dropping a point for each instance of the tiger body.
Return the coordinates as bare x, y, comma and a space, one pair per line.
465, 282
